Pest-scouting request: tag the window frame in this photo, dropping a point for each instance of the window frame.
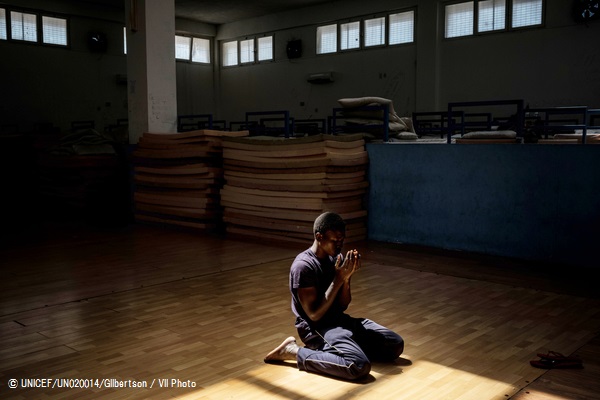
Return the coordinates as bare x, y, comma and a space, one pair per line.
478, 19
353, 33
542, 16
11, 23
325, 45
225, 51
508, 20
384, 31
188, 38
271, 47
254, 49
4, 25
247, 51
41, 28
333, 30
413, 13
43, 32
208, 50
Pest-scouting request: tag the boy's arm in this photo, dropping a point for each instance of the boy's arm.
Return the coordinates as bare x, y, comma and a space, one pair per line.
339, 290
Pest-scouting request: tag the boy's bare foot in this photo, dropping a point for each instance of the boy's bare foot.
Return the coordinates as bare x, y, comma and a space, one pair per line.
287, 350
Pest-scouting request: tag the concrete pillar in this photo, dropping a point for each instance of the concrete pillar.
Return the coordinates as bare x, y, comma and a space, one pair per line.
151, 74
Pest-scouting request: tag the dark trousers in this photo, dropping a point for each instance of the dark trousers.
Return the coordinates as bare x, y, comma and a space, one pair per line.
347, 349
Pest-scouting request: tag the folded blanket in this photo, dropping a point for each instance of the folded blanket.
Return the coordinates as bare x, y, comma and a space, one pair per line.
369, 101
83, 142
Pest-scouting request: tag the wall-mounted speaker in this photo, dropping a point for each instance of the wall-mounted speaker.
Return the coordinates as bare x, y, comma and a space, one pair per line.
294, 48
97, 42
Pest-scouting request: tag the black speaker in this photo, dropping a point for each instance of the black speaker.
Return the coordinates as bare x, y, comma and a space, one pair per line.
294, 48
97, 42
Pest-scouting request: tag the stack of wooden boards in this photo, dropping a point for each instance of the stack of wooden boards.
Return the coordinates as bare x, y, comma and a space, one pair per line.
275, 188
178, 177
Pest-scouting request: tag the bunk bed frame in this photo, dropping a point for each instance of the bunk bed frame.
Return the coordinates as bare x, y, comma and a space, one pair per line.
194, 122
338, 115
260, 128
463, 124
553, 120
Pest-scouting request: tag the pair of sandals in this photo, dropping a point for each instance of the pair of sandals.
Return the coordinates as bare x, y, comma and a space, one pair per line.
554, 360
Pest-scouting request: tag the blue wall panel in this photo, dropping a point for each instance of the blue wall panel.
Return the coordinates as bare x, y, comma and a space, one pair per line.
538, 202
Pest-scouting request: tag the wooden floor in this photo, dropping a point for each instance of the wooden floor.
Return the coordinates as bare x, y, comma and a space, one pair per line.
193, 315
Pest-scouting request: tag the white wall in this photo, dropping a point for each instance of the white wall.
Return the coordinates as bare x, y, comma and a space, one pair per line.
552, 66
557, 65
282, 84
44, 84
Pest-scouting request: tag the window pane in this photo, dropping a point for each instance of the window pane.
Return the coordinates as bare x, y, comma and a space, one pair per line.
402, 27
201, 50
375, 31
54, 30
350, 35
3, 24
526, 13
327, 39
459, 19
265, 48
23, 26
230, 55
182, 47
491, 15
247, 51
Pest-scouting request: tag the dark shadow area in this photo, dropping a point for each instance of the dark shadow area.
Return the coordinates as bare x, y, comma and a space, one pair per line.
538, 275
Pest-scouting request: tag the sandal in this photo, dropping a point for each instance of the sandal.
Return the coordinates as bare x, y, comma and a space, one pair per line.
551, 364
554, 360
554, 356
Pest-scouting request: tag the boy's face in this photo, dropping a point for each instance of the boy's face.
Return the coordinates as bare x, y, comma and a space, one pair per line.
332, 242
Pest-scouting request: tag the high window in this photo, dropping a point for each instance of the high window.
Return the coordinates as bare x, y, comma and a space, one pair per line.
327, 39
526, 13
33, 28
247, 51
3, 35
393, 29
192, 48
491, 15
401, 27
201, 50
459, 19
265, 48
230, 53
54, 30
375, 31
350, 35
23, 26
480, 16
183, 47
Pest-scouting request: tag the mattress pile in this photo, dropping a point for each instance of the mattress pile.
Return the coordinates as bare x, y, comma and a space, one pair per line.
177, 178
275, 188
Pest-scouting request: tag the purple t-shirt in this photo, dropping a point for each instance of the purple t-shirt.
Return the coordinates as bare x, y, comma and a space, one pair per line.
309, 271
